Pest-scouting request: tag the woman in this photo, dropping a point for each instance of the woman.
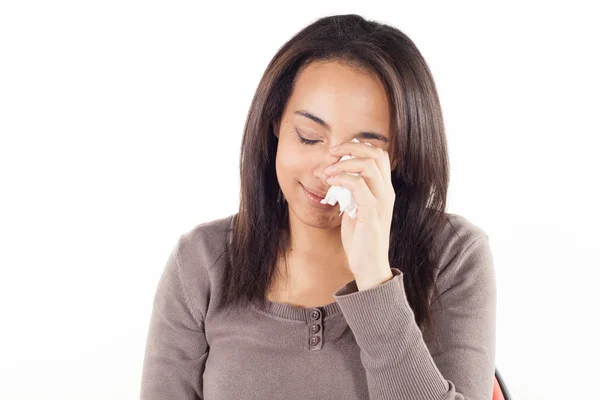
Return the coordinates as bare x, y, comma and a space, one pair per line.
288, 299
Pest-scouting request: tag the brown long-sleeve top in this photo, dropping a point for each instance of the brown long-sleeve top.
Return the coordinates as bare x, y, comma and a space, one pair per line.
194, 350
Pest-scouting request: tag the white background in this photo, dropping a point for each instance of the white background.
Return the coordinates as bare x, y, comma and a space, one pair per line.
120, 127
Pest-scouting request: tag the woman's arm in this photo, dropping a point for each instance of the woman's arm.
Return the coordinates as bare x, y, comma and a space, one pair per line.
397, 360
176, 348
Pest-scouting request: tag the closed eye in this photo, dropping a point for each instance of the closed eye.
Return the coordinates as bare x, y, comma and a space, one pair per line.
306, 141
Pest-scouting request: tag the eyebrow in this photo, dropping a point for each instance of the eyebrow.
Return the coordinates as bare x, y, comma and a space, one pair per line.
362, 135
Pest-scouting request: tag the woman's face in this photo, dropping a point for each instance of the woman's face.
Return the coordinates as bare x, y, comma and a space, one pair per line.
347, 102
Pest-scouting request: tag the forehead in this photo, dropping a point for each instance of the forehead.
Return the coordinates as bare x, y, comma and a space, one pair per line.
347, 98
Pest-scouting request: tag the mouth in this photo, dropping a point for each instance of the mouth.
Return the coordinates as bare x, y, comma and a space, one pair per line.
315, 193
316, 198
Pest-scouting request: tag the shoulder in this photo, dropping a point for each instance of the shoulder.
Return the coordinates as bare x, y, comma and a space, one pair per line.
459, 229
205, 240
457, 235
201, 254
465, 254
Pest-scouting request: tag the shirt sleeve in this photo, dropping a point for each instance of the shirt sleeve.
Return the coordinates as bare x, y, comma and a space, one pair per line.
396, 358
176, 346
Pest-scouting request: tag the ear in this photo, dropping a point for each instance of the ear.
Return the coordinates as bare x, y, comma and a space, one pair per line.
275, 127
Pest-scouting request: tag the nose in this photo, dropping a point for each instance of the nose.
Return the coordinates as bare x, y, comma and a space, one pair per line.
319, 172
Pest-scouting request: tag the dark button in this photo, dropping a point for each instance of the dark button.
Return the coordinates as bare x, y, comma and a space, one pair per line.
314, 328
316, 314
314, 340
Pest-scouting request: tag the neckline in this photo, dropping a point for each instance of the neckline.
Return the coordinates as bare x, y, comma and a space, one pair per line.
287, 311
294, 313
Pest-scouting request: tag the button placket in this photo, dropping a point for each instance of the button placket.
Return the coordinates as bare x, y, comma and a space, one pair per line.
315, 329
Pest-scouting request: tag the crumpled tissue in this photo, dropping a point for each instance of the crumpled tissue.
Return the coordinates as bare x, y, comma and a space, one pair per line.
341, 195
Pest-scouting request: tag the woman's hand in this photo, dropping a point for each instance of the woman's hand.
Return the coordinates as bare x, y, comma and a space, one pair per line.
366, 238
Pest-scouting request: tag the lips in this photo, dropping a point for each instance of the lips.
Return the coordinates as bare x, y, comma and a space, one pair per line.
315, 192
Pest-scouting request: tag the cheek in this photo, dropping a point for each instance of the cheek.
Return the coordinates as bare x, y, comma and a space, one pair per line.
294, 160
291, 168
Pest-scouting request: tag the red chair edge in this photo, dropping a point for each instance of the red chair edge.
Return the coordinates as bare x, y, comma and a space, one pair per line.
500, 390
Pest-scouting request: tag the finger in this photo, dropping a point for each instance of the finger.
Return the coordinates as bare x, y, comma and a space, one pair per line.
367, 168
364, 150
365, 201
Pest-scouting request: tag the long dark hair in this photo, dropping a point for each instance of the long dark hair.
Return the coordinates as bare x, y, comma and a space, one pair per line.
420, 179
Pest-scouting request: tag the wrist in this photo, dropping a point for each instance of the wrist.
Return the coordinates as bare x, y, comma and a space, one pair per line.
372, 281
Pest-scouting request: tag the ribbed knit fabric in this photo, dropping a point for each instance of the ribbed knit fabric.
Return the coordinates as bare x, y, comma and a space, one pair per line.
365, 345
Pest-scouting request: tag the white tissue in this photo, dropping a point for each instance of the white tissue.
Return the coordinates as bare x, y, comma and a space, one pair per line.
342, 195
